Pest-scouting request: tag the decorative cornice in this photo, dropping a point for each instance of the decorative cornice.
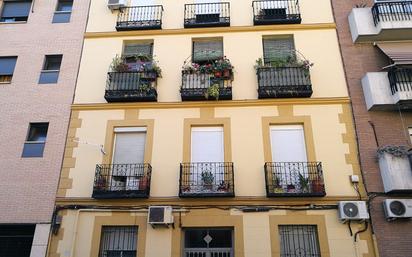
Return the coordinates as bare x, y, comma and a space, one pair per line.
162, 32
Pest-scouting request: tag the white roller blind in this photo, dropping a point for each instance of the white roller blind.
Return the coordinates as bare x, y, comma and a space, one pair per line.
288, 143
129, 147
207, 144
142, 2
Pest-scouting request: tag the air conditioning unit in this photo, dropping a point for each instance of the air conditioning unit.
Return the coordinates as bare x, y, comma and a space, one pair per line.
397, 208
353, 210
116, 4
160, 215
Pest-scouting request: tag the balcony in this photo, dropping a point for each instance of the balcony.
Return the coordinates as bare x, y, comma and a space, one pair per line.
140, 18
199, 87
385, 21
388, 90
266, 12
207, 15
122, 181
294, 179
283, 82
206, 179
131, 86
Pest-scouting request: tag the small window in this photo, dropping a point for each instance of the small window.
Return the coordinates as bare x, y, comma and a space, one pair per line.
299, 240
118, 241
205, 51
16, 240
143, 51
51, 69
36, 140
7, 65
278, 49
15, 11
63, 11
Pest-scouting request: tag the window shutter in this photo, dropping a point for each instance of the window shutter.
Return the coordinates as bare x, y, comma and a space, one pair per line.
288, 143
142, 2
129, 148
141, 49
207, 144
7, 65
16, 9
278, 49
207, 50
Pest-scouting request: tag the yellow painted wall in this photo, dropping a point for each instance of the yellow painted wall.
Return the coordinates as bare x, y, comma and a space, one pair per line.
257, 240
102, 19
318, 46
246, 145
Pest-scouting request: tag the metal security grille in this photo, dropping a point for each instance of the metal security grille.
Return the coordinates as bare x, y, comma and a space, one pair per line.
299, 241
214, 242
118, 241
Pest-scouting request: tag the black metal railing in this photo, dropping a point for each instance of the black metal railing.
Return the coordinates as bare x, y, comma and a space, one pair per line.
207, 15
203, 86
392, 11
400, 80
122, 181
206, 179
140, 18
283, 82
276, 12
294, 179
131, 86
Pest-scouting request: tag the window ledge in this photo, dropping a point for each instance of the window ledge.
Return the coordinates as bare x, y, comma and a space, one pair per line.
14, 22
5, 82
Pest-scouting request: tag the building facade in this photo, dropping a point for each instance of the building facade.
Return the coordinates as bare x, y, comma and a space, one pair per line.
40, 50
208, 128
375, 42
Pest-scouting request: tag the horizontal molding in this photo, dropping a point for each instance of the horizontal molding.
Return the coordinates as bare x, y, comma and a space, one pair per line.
236, 201
199, 104
314, 26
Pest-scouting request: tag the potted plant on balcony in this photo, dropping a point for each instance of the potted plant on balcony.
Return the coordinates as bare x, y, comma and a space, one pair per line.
118, 64
213, 91
304, 183
207, 180
223, 67
317, 185
291, 188
277, 187
223, 187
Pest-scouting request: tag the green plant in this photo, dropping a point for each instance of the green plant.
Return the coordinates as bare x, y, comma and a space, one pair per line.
119, 64
304, 183
145, 87
213, 91
207, 178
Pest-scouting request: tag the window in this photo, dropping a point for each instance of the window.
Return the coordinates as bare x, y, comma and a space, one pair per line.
15, 11
7, 65
118, 241
63, 11
278, 49
129, 148
299, 240
142, 50
51, 69
205, 51
16, 240
208, 242
207, 144
36, 140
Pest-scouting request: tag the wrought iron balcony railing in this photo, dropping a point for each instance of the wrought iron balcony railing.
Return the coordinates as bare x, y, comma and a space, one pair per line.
140, 18
207, 15
131, 86
392, 11
206, 179
276, 12
203, 86
294, 179
122, 181
283, 82
400, 80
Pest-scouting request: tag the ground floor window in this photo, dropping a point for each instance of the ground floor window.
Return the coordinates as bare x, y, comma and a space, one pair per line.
299, 241
16, 240
118, 241
208, 242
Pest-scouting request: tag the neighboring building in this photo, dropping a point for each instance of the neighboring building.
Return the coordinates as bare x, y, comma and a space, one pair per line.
376, 46
40, 46
242, 162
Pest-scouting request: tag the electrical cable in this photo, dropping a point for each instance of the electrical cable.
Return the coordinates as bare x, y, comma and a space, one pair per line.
360, 231
350, 228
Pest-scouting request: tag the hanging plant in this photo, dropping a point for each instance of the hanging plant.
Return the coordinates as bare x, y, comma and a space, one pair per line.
397, 151
213, 91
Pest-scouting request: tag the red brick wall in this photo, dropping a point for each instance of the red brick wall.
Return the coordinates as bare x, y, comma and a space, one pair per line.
28, 185
394, 238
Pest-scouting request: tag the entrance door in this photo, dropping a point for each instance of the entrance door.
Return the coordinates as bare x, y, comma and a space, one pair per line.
203, 242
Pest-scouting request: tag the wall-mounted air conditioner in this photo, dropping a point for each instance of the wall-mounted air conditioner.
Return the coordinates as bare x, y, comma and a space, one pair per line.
160, 215
116, 4
353, 210
397, 208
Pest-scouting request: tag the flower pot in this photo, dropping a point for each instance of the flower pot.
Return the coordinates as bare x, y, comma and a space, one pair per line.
317, 186
226, 73
143, 183
218, 74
